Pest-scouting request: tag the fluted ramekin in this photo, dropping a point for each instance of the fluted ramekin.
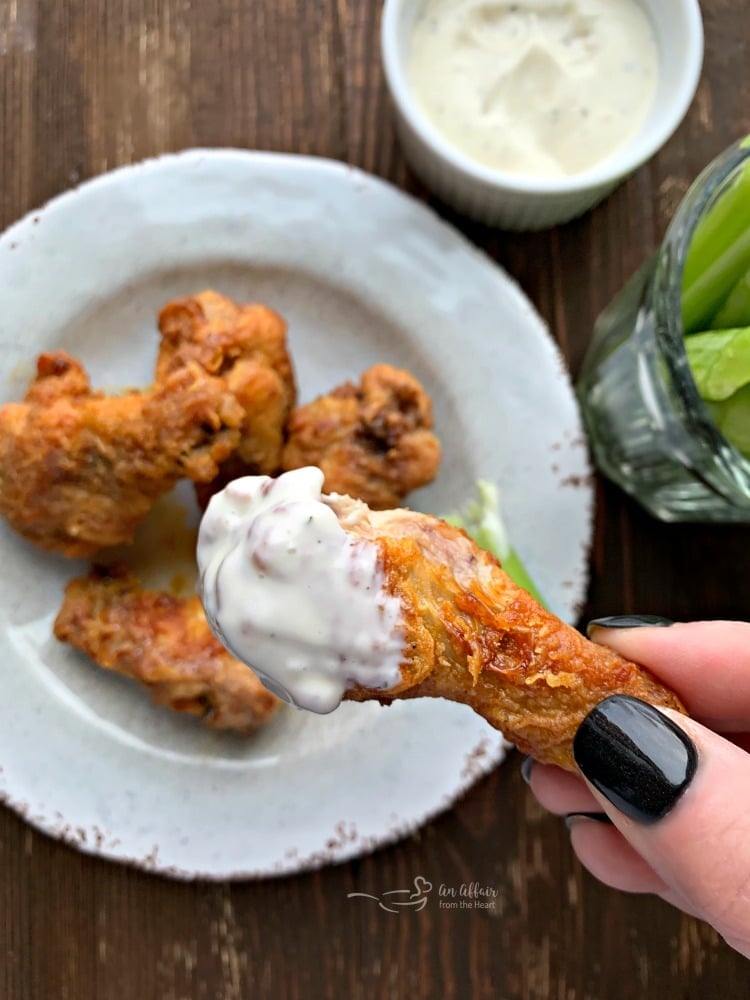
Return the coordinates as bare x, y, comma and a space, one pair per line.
515, 202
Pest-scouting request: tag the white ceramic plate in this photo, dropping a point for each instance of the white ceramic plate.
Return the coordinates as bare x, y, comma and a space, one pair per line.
363, 274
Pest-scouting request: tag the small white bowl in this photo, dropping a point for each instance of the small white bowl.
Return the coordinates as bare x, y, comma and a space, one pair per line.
515, 202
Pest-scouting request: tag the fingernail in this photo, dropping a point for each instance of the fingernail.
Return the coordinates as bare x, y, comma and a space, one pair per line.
572, 818
526, 767
628, 621
635, 756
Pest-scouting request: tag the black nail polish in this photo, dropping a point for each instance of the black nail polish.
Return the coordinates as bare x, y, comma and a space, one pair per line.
635, 756
628, 621
596, 817
528, 763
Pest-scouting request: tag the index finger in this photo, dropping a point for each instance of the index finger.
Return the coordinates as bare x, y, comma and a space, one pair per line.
706, 663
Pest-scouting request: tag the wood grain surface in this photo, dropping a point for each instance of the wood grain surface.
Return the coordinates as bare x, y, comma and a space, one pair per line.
87, 85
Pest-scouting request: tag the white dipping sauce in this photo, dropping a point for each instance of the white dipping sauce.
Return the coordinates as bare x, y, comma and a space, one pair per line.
542, 88
291, 593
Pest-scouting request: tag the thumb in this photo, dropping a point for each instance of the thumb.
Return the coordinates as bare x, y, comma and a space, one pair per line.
679, 794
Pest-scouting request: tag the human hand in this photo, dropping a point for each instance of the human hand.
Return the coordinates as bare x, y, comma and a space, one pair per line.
670, 795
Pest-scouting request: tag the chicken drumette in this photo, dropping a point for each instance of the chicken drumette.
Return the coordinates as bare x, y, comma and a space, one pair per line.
472, 635
163, 642
373, 441
79, 469
246, 347
396, 604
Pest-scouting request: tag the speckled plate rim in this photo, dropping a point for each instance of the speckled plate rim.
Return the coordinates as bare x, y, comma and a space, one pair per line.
71, 773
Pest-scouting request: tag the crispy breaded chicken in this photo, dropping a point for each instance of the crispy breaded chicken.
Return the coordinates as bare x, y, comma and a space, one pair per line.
164, 643
373, 441
79, 469
471, 635
404, 592
246, 345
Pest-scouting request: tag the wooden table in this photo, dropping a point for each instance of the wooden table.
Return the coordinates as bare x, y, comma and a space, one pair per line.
90, 84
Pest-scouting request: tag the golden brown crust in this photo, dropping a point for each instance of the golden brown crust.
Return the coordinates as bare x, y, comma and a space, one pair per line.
473, 636
79, 469
373, 441
246, 346
164, 643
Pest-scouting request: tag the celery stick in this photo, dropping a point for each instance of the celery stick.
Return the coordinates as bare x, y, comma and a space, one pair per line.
481, 519
719, 254
705, 294
735, 311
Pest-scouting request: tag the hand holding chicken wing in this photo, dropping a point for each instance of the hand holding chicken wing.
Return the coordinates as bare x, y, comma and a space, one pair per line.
327, 598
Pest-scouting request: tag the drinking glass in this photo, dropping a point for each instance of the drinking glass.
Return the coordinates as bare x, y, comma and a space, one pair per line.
649, 430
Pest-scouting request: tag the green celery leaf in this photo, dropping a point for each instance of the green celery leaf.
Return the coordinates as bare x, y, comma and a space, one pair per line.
719, 361
733, 419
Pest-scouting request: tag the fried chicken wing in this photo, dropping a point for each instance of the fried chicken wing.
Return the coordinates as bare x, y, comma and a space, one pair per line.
373, 441
246, 345
472, 635
395, 604
164, 643
79, 469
